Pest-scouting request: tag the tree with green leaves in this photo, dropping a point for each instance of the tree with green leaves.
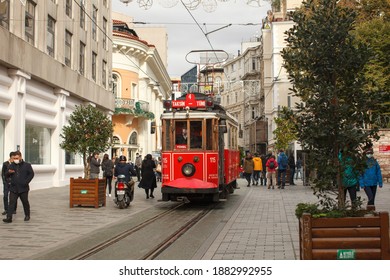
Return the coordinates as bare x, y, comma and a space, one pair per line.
89, 130
373, 29
285, 129
326, 65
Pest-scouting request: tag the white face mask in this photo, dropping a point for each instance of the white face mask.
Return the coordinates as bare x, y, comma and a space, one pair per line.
369, 155
16, 161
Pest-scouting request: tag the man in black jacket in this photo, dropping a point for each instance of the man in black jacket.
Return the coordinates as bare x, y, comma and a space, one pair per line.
6, 182
124, 168
21, 174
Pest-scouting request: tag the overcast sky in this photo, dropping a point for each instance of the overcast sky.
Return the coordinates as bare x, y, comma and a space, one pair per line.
184, 35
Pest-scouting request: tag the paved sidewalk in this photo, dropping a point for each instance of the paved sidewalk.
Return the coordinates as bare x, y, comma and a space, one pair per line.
54, 223
264, 225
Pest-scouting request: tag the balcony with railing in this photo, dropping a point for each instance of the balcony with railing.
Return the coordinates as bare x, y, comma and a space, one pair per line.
138, 109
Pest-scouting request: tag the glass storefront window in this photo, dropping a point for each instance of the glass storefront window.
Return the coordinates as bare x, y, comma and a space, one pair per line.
72, 158
37, 150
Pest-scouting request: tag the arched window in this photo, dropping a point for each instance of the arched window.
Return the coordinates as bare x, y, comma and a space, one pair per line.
116, 85
133, 138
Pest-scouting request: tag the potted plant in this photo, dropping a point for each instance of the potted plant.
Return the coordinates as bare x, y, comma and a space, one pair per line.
89, 130
333, 123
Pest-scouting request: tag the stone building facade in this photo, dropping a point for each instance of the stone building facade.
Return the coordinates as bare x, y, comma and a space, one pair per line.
54, 56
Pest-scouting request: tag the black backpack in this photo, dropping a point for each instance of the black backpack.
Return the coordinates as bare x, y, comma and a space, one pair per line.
272, 165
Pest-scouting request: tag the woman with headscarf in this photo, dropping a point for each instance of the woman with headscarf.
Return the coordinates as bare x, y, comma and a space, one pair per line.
148, 181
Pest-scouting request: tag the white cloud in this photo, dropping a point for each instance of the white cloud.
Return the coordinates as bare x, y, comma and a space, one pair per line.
184, 35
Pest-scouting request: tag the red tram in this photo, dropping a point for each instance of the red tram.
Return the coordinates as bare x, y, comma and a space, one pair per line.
200, 156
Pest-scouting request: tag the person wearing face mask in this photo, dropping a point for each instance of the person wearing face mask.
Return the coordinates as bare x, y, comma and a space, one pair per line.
21, 174
371, 178
6, 182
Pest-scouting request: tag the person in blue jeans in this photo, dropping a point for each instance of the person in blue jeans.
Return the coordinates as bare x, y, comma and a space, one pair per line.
282, 168
371, 178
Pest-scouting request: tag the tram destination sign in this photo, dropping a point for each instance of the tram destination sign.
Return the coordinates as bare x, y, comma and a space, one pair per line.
190, 102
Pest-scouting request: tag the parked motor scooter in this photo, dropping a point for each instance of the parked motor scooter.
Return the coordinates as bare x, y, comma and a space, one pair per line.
124, 192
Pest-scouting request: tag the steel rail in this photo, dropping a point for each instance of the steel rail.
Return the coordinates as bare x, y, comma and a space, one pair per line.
176, 235
101, 246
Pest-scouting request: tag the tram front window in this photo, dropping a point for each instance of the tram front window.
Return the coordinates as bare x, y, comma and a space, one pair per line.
196, 135
188, 135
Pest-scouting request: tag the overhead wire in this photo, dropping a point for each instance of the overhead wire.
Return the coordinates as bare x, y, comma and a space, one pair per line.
205, 34
194, 19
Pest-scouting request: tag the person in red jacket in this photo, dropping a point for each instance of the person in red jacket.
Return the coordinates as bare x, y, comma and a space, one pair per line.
272, 166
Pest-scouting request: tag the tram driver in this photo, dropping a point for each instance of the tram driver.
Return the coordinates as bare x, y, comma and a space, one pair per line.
182, 138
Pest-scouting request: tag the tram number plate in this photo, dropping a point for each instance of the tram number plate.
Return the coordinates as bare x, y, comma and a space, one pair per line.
120, 192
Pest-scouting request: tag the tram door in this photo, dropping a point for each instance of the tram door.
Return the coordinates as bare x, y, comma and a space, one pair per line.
221, 155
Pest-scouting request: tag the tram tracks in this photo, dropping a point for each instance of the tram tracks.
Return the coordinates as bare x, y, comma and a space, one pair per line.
176, 235
156, 250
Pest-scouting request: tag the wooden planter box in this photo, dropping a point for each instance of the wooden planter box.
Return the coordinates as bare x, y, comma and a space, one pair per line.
87, 192
364, 238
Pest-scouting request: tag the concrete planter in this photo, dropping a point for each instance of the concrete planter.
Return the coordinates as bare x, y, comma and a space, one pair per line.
87, 192
362, 238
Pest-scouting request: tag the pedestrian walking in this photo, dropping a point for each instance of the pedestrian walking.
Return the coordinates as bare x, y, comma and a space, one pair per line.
108, 172
148, 180
21, 174
282, 169
371, 178
248, 168
257, 169
264, 159
94, 166
350, 177
272, 166
298, 166
6, 182
138, 165
291, 166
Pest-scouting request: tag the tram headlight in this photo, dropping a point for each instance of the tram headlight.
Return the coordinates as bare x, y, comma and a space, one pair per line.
188, 169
